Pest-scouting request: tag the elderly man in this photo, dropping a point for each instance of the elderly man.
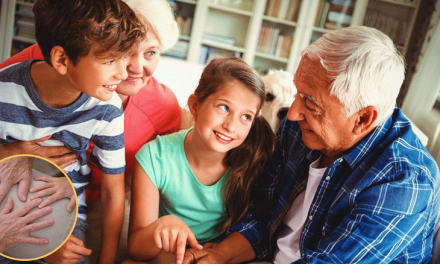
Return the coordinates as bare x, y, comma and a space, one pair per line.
350, 181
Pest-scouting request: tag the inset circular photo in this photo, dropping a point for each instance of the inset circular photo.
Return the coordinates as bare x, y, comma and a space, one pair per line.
38, 207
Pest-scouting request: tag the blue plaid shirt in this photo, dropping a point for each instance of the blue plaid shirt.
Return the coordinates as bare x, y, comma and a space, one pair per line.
377, 204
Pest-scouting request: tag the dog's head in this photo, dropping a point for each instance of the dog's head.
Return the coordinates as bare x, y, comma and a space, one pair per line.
280, 93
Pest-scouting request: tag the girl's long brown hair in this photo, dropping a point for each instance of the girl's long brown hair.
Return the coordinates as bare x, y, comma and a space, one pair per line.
249, 160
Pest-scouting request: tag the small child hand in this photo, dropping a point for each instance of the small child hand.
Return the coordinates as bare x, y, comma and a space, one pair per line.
171, 235
56, 188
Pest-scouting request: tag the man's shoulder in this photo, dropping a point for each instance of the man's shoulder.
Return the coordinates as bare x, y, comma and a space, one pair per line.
402, 151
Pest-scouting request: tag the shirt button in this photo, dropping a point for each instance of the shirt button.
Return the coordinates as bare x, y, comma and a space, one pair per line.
327, 178
310, 218
323, 228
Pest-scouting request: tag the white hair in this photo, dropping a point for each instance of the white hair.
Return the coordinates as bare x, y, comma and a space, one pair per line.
364, 66
160, 18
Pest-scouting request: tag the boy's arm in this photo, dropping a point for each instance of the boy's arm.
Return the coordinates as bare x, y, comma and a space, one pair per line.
113, 207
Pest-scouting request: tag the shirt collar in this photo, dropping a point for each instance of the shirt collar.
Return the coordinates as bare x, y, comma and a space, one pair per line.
368, 143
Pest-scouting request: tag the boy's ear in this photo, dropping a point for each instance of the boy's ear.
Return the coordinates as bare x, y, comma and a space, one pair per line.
59, 59
192, 105
365, 120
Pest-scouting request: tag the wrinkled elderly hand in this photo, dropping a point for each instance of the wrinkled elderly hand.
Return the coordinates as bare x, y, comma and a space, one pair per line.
60, 155
16, 170
208, 255
56, 188
15, 226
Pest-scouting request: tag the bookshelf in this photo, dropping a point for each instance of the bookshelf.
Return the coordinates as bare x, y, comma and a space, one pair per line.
243, 28
17, 26
227, 28
395, 18
184, 13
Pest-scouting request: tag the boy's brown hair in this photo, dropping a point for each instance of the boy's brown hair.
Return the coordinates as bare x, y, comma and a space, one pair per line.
109, 27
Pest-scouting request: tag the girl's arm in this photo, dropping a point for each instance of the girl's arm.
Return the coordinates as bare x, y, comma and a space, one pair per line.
148, 235
113, 207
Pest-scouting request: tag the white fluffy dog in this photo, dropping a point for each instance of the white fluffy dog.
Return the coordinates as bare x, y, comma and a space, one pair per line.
280, 93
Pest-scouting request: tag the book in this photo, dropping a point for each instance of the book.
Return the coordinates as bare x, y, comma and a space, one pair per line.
283, 9
179, 50
286, 46
265, 39
187, 23
269, 7
278, 47
295, 14
273, 42
203, 54
276, 8
218, 38
318, 14
179, 21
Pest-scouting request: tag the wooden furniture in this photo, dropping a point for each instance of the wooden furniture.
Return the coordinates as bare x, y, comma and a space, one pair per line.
245, 27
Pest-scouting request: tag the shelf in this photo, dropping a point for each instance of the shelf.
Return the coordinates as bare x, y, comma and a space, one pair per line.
222, 46
184, 37
25, 39
245, 22
231, 10
321, 30
271, 57
192, 2
280, 21
394, 2
18, 2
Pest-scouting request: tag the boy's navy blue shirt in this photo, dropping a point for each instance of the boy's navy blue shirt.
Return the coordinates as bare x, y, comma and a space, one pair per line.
376, 204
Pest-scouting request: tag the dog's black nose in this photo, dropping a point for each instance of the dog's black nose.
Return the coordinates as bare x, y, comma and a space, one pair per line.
282, 112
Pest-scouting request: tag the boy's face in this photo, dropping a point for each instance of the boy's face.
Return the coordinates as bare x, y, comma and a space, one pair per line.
97, 77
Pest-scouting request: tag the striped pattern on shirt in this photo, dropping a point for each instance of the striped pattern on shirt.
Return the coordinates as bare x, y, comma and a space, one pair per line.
24, 116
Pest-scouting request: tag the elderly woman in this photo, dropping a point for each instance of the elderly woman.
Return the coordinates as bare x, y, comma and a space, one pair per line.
150, 108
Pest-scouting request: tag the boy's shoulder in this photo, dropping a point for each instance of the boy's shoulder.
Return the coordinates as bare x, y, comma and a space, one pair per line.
16, 71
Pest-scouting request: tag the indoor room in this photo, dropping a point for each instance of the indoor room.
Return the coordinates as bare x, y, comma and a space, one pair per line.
268, 35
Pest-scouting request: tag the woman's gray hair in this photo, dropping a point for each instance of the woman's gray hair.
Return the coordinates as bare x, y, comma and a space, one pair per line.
364, 66
159, 17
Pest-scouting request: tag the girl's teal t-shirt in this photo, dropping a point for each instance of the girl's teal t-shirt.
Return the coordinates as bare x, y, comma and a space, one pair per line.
181, 194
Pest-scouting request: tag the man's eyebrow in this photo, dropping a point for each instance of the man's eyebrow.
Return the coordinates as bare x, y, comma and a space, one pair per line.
310, 98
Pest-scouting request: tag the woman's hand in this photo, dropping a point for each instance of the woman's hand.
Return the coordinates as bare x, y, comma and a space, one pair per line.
60, 155
171, 235
57, 188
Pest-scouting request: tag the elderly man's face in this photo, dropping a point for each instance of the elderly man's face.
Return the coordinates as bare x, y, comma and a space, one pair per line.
324, 127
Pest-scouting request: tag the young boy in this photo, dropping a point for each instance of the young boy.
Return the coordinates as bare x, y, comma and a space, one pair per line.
70, 95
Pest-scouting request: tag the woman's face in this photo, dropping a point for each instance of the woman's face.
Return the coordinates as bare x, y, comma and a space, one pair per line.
141, 65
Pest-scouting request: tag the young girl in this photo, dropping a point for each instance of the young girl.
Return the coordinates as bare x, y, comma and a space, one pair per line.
188, 187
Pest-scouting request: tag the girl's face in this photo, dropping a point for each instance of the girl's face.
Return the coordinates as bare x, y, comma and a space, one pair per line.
141, 65
224, 119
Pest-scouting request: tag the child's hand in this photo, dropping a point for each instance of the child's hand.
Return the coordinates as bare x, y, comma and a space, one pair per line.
171, 235
69, 253
57, 187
